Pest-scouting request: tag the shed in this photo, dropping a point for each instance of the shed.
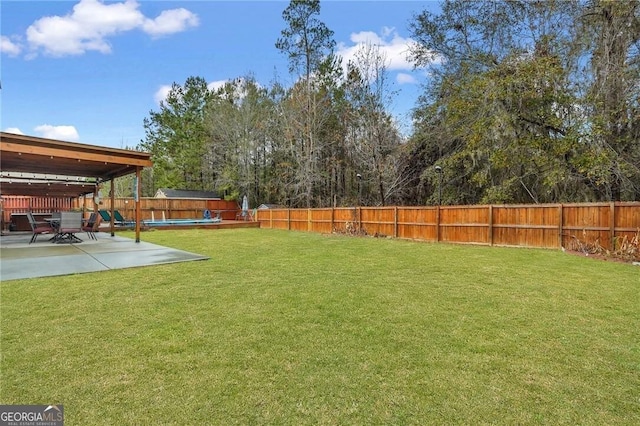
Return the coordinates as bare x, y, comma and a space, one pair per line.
186, 193
270, 206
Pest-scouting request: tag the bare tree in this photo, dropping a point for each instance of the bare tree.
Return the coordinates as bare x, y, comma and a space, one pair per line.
307, 42
374, 137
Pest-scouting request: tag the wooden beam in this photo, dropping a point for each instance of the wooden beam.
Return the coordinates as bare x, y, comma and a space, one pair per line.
89, 155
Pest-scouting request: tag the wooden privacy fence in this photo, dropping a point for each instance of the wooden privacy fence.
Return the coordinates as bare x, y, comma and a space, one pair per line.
157, 208
171, 208
539, 225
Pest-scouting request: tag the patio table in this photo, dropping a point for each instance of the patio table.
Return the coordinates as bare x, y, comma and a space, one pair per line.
54, 222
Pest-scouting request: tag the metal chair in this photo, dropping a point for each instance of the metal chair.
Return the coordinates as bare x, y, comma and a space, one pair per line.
90, 226
70, 224
37, 227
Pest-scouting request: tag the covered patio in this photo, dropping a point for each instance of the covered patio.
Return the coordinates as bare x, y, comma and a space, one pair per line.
42, 167
38, 167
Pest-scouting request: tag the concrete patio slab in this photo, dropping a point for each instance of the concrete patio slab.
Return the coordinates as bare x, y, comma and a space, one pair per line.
19, 259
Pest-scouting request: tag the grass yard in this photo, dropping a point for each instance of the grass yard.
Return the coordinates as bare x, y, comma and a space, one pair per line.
294, 328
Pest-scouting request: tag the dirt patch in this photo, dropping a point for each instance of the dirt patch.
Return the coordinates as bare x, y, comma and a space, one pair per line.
627, 248
602, 257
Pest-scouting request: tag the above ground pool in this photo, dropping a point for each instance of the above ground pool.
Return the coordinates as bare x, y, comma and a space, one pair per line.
167, 222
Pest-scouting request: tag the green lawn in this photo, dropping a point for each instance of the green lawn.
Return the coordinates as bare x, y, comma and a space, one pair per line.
295, 328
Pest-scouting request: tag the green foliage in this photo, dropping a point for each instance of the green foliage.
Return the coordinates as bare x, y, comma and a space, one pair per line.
527, 101
306, 39
177, 137
511, 110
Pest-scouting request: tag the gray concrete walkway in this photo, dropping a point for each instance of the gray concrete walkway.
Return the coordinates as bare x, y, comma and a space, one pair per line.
19, 259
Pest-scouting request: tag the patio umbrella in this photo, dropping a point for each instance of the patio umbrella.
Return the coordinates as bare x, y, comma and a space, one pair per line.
245, 205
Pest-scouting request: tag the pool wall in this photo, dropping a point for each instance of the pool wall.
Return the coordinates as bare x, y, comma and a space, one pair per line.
199, 224
182, 222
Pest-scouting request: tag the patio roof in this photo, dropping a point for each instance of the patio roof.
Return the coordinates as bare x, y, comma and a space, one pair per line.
51, 158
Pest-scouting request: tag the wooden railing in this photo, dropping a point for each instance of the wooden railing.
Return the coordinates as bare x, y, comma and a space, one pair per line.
539, 225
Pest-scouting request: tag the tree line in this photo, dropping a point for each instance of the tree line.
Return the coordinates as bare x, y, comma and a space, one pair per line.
527, 102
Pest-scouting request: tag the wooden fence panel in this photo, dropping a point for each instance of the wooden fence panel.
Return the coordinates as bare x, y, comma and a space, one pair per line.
464, 224
627, 223
378, 221
544, 226
171, 208
274, 218
345, 217
151, 208
299, 220
586, 223
526, 225
321, 220
417, 223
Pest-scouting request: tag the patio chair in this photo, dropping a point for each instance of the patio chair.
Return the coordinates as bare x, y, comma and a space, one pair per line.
118, 220
121, 220
38, 227
70, 224
91, 225
106, 217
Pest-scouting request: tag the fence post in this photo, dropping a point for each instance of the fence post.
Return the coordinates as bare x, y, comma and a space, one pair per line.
395, 222
332, 218
612, 225
438, 223
491, 224
560, 225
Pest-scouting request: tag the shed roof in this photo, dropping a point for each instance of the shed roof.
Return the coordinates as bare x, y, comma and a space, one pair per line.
186, 193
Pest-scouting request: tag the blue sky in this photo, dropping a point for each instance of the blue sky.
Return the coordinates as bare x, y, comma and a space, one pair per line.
91, 71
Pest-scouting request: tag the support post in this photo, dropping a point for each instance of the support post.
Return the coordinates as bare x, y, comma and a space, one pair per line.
113, 202
138, 190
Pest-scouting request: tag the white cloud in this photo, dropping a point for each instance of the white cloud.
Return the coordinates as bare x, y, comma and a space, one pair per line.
393, 47
9, 47
170, 22
91, 23
162, 93
14, 130
404, 78
218, 84
65, 133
